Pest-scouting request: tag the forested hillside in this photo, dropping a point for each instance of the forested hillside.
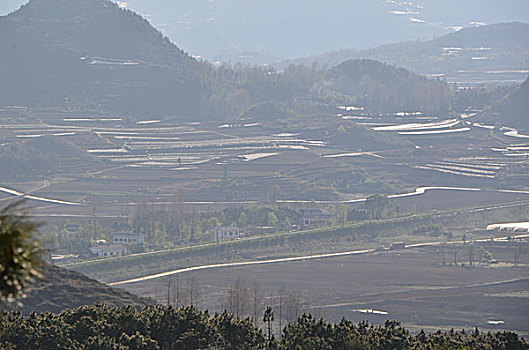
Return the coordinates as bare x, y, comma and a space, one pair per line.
514, 109
92, 54
383, 88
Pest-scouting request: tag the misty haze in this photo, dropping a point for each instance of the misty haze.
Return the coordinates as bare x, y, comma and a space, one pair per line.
221, 174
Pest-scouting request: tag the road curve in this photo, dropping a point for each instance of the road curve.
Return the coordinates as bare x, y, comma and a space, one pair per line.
238, 264
282, 260
41, 199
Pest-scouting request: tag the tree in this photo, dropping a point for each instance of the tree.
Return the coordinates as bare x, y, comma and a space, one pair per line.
471, 254
20, 255
377, 206
268, 318
517, 253
281, 303
293, 305
243, 220
237, 298
256, 297
271, 219
192, 289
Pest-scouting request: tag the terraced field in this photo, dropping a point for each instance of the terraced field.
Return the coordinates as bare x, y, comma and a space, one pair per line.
203, 165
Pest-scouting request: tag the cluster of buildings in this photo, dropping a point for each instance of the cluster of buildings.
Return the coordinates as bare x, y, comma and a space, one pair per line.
310, 218
121, 244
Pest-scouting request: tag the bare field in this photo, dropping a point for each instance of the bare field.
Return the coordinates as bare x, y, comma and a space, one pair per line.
410, 285
210, 166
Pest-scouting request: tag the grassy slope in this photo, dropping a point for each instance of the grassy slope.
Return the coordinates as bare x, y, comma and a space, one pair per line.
60, 289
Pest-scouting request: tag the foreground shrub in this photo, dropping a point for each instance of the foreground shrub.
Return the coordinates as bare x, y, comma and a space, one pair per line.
158, 327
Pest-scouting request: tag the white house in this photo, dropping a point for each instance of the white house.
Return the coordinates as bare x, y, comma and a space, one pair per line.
106, 249
316, 217
128, 238
228, 233
72, 228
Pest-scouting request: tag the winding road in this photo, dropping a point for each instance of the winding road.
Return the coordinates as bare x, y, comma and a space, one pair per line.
36, 198
283, 260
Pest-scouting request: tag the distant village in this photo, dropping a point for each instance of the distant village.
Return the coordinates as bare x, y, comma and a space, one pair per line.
125, 243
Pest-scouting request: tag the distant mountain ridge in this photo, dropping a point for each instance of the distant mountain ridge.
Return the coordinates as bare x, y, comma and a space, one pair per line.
126, 34
235, 30
489, 47
80, 52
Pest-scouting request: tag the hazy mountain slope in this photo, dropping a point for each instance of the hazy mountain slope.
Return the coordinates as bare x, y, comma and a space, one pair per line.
61, 289
383, 88
90, 52
41, 156
491, 47
242, 30
514, 110
238, 29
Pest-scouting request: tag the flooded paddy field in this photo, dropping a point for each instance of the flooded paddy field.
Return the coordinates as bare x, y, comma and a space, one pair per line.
410, 285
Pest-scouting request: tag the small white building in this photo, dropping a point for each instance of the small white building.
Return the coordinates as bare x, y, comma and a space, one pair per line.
513, 226
316, 217
72, 228
228, 233
106, 249
128, 238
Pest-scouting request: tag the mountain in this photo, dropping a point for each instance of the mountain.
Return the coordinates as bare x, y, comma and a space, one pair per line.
61, 289
254, 30
242, 30
514, 109
482, 54
382, 88
92, 54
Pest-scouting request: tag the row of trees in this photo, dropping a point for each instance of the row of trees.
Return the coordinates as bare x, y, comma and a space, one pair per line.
157, 327
242, 299
169, 225
173, 225
176, 224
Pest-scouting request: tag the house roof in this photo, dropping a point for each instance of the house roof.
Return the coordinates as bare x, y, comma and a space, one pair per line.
315, 212
228, 228
128, 234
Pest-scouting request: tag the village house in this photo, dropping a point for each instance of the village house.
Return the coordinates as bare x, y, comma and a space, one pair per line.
316, 217
104, 249
228, 233
128, 238
72, 228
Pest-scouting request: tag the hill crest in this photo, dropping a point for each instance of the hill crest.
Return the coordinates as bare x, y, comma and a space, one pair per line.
92, 51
